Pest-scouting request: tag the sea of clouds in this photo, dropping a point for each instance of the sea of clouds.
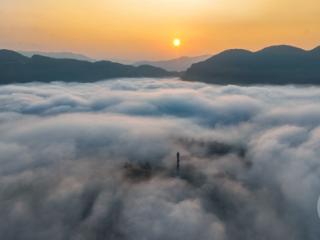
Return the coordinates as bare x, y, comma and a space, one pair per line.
97, 161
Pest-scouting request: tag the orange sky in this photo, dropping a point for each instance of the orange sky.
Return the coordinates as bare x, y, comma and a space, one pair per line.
144, 29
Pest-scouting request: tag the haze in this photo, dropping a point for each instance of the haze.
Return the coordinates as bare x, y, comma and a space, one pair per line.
144, 29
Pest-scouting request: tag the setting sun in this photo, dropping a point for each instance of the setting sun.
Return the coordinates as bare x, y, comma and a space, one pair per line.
176, 42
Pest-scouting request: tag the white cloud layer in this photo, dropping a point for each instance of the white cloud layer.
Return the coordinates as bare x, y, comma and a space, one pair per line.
97, 161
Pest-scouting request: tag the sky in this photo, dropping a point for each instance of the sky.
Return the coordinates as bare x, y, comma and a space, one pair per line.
144, 29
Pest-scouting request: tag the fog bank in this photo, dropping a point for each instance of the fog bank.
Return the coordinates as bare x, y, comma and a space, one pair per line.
97, 161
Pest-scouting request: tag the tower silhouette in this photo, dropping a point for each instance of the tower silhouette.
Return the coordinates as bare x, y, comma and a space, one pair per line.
178, 163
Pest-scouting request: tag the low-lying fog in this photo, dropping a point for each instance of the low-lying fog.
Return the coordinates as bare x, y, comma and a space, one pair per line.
97, 161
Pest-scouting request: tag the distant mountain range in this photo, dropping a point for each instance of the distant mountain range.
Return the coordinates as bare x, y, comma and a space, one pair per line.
273, 65
16, 68
176, 65
59, 55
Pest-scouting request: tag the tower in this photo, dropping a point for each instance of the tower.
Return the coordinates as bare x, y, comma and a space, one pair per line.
178, 163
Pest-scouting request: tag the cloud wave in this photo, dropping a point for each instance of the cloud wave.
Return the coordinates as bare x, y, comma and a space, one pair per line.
97, 161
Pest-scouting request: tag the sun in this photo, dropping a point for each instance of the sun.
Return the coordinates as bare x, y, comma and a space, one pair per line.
176, 42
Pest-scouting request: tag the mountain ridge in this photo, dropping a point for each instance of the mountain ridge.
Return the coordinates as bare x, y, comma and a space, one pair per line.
16, 68
280, 64
58, 55
176, 64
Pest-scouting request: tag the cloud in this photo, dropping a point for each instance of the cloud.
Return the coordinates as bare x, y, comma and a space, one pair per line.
97, 161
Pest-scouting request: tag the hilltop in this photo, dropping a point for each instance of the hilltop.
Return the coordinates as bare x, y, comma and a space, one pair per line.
16, 68
272, 65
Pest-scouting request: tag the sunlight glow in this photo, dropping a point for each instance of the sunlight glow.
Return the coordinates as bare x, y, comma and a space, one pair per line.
176, 42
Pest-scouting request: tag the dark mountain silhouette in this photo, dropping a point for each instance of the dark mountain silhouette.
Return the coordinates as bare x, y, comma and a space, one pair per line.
7, 56
273, 65
177, 64
315, 50
16, 68
59, 55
